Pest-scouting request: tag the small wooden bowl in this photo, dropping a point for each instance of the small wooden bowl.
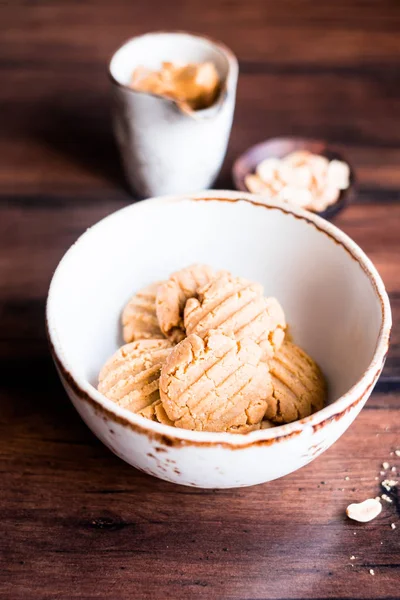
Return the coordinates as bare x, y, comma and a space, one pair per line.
281, 147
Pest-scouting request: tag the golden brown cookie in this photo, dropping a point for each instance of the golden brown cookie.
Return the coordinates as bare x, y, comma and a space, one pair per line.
214, 383
299, 387
234, 304
131, 376
172, 296
139, 319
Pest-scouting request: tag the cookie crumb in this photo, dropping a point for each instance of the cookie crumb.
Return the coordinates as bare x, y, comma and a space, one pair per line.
371, 572
393, 469
382, 472
397, 452
388, 484
352, 557
393, 525
385, 465
347, 478
386, 498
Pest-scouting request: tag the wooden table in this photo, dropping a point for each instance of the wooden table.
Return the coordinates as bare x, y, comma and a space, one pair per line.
77, 522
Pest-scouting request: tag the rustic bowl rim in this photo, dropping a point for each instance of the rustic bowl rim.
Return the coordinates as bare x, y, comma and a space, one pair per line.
170, 435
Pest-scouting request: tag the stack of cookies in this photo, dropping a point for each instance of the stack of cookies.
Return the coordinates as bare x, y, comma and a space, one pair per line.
207, 351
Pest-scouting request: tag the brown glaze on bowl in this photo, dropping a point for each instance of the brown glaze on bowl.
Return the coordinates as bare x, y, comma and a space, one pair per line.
281, 147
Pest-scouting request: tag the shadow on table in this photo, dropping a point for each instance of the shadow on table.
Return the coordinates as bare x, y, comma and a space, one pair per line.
30, 389
82, 134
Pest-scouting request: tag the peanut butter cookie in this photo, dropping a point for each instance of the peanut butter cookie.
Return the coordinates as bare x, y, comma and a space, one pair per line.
139, 319
299, 387
215, 383
131, 376
234, 304
172, 296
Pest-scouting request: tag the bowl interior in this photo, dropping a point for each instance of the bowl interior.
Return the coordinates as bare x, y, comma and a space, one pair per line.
281, 147
152, 49
331, 305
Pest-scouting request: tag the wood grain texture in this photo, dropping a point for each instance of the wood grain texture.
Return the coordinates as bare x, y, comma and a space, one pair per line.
76, 522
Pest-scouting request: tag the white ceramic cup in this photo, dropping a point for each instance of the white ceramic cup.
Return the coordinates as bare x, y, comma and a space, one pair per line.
333, 297
164, 149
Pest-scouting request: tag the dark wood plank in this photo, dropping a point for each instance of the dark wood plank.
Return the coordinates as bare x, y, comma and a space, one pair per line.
76, 522
80, 523
60, 137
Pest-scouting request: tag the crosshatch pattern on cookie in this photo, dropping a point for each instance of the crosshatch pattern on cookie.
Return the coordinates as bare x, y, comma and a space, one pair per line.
233, 304
173, 294
131, 376
215, 383
299, 387
139, 318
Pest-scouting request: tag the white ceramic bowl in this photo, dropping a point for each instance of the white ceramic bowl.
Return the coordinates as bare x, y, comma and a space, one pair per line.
333, 297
